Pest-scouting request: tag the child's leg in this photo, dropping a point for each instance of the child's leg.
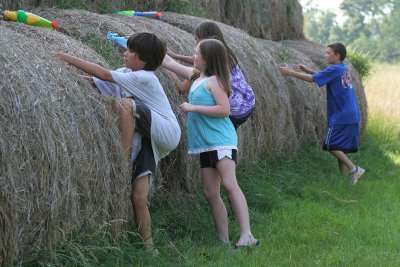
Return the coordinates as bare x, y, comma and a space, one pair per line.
342, 157
211, 190
342, 168
126, 124
226, 170
140, 192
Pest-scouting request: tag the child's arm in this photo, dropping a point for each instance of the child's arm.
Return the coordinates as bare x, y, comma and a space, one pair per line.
183, 86
186, 59
305, 69
299, 75
222, 107
88, 67
172, 65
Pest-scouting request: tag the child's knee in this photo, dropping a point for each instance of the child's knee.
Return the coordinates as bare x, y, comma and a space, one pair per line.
232, 189
126, 107
210, 193
138, 198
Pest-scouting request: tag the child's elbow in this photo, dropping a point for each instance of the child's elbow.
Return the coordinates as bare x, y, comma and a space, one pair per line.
106, 76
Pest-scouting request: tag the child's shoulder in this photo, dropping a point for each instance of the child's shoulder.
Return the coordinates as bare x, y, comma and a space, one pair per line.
213, 82
336, 67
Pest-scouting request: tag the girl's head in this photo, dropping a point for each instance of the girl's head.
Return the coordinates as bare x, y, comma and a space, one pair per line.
210, 30
211, 59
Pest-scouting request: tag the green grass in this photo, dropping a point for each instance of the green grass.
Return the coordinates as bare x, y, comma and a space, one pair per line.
303, 212
108, 50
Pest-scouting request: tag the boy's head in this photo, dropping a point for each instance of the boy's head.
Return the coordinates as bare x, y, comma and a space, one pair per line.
149, 48
338, 49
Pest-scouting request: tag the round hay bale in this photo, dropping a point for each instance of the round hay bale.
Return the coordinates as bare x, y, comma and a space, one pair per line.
269, 19
61, 163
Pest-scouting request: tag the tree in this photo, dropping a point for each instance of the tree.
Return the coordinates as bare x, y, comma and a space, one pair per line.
318, 25
371, 26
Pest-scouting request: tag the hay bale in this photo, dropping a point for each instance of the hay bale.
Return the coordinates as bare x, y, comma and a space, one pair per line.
61, 156
269, 19
93, 5
61, 163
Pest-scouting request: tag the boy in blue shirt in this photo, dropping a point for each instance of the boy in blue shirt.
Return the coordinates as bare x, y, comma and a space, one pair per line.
343, 112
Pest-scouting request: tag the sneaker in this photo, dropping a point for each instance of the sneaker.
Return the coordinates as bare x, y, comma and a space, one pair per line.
356, 174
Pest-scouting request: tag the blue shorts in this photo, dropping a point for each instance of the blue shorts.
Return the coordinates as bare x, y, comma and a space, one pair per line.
342, 137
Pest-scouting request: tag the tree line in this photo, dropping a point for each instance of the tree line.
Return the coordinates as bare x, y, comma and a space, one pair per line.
370, 27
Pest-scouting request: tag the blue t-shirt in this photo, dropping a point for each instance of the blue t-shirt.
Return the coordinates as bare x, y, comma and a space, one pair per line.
341, 98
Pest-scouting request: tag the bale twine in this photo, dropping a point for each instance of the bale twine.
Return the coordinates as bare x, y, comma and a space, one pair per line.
61, 163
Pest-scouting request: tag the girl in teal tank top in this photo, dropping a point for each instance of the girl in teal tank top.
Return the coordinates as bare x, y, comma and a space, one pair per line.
211, 133
205, 132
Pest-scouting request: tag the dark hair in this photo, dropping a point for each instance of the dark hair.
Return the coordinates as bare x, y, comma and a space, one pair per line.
215, 56
149, 48
339, 48
210, 30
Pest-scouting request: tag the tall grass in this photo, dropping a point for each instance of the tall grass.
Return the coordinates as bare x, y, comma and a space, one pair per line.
383, 93
302, 210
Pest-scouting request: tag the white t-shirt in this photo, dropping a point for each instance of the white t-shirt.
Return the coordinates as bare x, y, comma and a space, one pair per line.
145, 86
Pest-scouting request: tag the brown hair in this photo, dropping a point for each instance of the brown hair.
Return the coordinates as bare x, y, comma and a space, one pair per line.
210, 30
215, 56
339, 48
149, 48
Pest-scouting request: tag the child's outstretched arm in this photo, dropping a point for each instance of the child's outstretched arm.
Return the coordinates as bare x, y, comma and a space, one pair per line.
183, 86
305, 69
299, 75
88, 67
181, 70
186, 59
222, 107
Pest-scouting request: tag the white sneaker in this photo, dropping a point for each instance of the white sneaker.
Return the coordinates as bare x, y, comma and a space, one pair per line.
356, 175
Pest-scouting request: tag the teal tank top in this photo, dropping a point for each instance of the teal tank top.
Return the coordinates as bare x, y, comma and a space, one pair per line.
207, 133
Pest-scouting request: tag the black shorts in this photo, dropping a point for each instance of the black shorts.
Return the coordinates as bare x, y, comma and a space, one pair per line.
209, 159
239, 121
144, 163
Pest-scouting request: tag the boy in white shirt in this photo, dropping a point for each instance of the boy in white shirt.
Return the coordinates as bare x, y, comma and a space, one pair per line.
146, 111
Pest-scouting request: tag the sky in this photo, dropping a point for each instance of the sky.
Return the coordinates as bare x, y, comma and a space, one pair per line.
324, 4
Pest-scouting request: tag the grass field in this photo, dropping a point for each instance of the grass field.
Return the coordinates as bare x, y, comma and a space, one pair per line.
383, 93
302, 211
